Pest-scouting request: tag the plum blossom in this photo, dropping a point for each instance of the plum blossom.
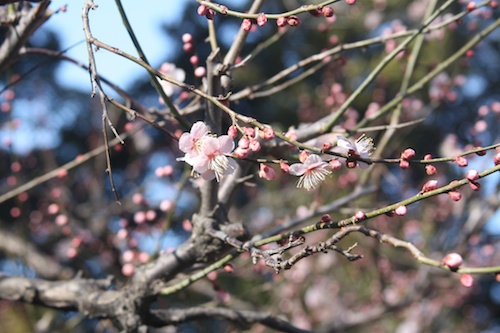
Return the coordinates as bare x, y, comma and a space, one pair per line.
173, 72
363, 147
191, 143
311, 172
207, 153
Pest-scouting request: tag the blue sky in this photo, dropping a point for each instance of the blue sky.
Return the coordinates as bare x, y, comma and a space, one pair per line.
146, 18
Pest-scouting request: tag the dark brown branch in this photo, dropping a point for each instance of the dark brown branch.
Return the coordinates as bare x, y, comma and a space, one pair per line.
44, 265
177, 316
30, 20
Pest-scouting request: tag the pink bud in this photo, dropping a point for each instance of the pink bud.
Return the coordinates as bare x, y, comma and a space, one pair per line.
471, 6
128, 269
210, 14
303, 156
453, 261
187, 38
228, 268
232, 132
326, 218
428, 157
194, 60
140, 217
480, 152
404, 164
496, 159
455, 195
430, 185
327, 11
188, 47
472, 175
200, 71
408, 154
246, 24
266, 172
474, 185
268, 133
202, 10
281, 21
401, 210
261, 20
327, 146
241, 152
335, 164
360, 215
430, 169
254, 145
466, 280
293, 21
461, 161
284, 167
244, 142
250, 131
350, 2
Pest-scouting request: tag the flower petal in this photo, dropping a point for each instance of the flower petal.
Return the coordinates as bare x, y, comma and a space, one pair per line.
343, 142
226, 144
297, 169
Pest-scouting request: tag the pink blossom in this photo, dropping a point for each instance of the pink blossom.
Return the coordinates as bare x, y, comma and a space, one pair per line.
207, 153
311, 172
212, 161
170, 70
190, 143
267, 172
363, 147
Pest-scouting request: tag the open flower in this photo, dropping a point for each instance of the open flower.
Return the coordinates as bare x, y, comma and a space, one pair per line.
173, 72
212, 161
207, 153
191, 143
312, 172
363, 147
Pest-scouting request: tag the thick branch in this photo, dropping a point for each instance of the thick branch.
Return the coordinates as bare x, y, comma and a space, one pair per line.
177, 316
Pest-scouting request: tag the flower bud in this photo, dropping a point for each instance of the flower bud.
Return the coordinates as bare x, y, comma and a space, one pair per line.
261, 20
232, 132
455, 195
466, 280
430, 169
461, 161
430, 185
360, 215
408, 154
472, 175
401, 210
453, 261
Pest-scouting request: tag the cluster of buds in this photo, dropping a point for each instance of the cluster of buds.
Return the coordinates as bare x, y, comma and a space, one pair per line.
406, 156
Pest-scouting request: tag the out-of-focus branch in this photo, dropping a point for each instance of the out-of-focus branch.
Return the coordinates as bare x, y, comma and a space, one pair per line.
44, 265
177, 316
30, 20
